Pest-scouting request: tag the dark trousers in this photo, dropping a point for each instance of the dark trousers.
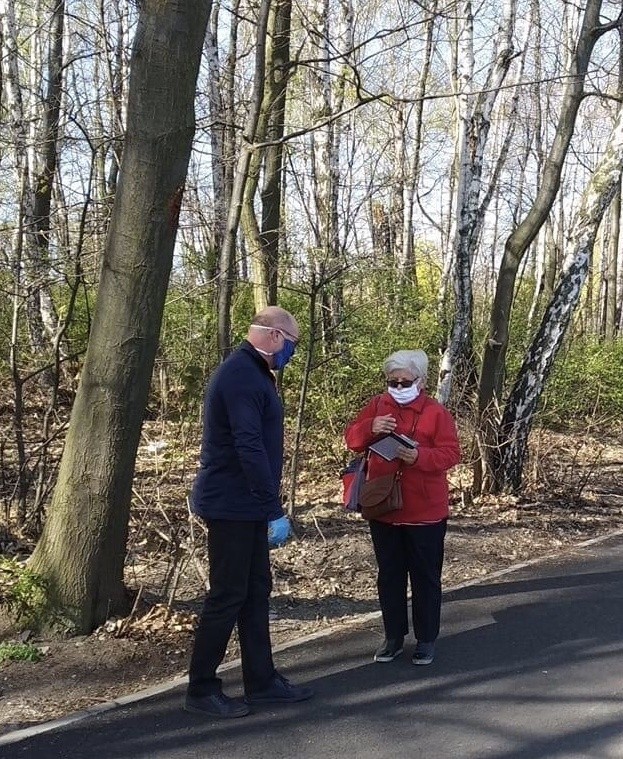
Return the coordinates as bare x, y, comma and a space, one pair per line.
415, 552
240, 586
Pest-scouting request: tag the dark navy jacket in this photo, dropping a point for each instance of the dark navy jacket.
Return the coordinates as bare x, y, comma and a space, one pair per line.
242, 445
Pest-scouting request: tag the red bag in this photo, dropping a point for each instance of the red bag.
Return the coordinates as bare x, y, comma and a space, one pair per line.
353, 477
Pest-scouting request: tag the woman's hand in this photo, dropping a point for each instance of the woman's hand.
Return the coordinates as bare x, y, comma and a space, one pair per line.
408, 455
383, 425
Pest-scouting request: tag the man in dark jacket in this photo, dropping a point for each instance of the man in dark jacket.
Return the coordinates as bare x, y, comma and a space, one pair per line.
237, 493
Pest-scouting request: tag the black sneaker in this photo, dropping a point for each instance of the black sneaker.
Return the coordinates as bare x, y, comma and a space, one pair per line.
391, 648
217, 705
280, 691
424, 653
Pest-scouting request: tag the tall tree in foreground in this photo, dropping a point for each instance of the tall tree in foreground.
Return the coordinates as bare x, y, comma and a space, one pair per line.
82, 549
523, 400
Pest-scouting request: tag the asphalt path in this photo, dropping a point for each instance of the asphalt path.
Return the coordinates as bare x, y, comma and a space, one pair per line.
529, 666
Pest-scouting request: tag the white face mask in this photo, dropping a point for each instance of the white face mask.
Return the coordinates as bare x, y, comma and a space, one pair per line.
404, 395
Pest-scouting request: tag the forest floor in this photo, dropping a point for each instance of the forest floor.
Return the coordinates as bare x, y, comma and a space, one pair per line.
323, 578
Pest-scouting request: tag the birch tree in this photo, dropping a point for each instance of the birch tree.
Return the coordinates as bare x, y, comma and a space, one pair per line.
612, 263
35, 131
474, 113
532, 377
492, 373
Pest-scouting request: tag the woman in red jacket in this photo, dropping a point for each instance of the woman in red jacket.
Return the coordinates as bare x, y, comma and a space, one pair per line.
409, 543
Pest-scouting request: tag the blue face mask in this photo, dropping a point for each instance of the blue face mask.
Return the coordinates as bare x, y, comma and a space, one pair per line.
281, 358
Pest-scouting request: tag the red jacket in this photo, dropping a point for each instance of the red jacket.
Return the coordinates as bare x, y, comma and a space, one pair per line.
424, 484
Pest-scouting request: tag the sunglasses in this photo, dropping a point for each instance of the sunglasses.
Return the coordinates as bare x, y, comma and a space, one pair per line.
400, 383
290, 337
282, 332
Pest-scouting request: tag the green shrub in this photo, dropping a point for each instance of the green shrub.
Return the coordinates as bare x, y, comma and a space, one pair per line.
24, 594
585, 383
20, 652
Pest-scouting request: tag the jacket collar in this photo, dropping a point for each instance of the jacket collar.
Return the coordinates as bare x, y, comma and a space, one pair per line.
246, 347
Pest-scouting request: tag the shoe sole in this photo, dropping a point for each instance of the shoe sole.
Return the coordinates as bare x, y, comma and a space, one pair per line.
258, 701
194, 710
386, 659
422, 662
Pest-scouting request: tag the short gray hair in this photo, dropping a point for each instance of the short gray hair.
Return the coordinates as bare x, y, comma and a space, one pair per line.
415, 362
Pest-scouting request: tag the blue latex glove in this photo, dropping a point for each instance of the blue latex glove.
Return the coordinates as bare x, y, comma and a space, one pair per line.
279, 530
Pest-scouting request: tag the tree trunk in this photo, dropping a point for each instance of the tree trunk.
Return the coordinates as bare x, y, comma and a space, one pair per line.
520, 240
492, 374
612, 268
474, 121
222, 135
82, 548
326, 99
273, 160
228, 251
407, 258
397, 189
43, 167
270, 126
612, 273
521, 406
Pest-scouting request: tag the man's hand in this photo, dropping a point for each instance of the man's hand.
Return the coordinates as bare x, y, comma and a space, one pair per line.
279, 530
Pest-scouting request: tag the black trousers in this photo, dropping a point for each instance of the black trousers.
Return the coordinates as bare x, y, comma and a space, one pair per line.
240, 586
412, 552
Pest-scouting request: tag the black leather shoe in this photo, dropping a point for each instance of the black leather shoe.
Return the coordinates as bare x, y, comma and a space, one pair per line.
280, 691
424, 653
216, 705
391, 648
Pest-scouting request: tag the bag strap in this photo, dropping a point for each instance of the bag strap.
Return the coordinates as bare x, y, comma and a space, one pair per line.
416, 418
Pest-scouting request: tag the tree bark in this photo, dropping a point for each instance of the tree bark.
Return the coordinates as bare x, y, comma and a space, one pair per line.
262, 243
612, 268
407, 258
492, 373
521, 406
474, 122
82, 549
612, 273
228, 250
326, 98
45, 153
222, 133
271, 192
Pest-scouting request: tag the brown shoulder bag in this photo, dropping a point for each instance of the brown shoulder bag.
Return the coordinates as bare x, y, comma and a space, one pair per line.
381, 495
